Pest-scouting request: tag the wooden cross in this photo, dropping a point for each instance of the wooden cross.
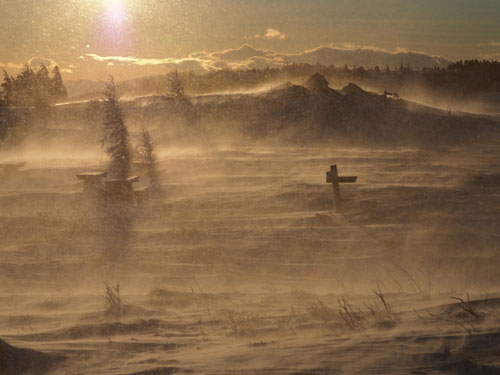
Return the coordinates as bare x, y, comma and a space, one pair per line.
333, 178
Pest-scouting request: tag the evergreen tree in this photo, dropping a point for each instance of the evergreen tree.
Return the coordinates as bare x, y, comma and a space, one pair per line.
24, 88
8, 88
94, 115
116, 136
58, 90
7, 121
148, 155
44, 99
27, 100
175, 84
43, 84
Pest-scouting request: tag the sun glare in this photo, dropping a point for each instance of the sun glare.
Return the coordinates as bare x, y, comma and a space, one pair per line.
115, 11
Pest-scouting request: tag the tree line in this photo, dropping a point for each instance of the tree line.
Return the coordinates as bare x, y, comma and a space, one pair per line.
460, 79
27, 99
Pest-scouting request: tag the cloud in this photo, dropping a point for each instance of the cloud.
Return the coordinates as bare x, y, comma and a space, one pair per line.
35, 62
10, 65
250, 57
353, 47
364, 56
189, 63
491, 43
243, 53
93, 66
492, 56
274, 34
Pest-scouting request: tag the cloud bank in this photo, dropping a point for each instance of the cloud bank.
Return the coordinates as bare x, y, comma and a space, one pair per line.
34, 62
97, 67
249, 57
491, 43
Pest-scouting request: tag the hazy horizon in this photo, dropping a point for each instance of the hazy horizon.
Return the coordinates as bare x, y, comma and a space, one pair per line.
128, 38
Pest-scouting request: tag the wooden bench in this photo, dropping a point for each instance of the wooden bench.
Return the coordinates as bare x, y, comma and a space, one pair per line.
120, 189
11, 168
92, 181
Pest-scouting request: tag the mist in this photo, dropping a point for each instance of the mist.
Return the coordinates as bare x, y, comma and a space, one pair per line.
162, 233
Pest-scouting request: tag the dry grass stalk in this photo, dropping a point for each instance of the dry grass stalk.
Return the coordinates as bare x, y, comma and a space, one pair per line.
113, 300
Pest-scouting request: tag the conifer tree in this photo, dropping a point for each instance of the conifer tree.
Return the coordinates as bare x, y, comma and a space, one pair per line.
43, 82
116, 136
8, 121
148, 155
8, 87
44, 99
175, 83
24, 88
58, 90
27, 100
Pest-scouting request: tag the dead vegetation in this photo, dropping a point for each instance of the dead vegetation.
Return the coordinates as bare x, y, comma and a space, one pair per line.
113, 301
352, 318
320, 311
464, 315
245, 323
381, 310
467, 307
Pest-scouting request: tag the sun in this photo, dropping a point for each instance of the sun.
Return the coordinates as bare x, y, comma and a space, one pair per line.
115, 11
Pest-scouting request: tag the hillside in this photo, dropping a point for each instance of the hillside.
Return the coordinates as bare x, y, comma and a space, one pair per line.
469, 86
311, 112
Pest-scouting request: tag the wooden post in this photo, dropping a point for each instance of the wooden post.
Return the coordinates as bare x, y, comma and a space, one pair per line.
334, 175
92, 181
333, 178
120, 189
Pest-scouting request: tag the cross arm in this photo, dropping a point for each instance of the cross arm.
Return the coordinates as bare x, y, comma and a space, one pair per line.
331, 178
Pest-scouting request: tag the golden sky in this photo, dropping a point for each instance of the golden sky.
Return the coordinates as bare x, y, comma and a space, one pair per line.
93, 38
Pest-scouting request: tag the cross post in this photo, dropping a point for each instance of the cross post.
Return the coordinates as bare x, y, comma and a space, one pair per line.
333, 178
